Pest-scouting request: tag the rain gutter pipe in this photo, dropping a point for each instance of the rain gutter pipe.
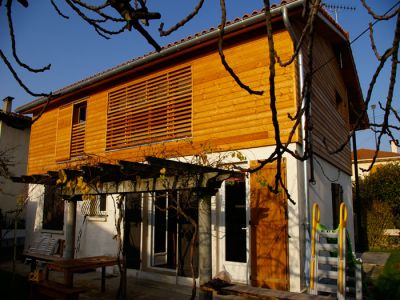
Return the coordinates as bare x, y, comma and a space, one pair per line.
157, 55
289, 28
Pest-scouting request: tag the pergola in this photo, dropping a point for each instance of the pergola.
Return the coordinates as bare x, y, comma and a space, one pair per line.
153, 175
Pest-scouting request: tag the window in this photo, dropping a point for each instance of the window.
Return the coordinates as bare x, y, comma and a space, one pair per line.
53, 210
78, 129
157, 109
172, 233
235, 220
95, 206
337, 199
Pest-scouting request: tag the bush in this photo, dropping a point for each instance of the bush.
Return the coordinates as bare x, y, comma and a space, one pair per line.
379, 218
380, 199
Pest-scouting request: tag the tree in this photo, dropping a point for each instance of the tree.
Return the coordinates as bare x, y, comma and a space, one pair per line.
383, 185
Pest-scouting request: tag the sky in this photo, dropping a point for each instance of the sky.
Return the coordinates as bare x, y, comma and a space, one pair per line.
75, 51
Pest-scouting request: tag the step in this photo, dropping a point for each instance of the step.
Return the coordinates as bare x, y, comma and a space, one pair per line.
350, 289
327, 274
329, 288
327, 247
328, 234
327, 260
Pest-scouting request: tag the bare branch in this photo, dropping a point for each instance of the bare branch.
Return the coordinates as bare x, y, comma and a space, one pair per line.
58, 10
222, 55
93, 22
13, 44
182, 22
371, 37
380, 17
16, 77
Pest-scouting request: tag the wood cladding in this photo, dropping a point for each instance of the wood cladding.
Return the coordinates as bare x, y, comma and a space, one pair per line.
153, 110
223, 117
330, 107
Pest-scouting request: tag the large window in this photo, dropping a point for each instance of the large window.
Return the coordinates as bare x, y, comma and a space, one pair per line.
53, 209
157, 109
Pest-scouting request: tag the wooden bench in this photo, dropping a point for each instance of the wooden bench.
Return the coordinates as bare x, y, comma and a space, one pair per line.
263, 293
44, 249
53, 289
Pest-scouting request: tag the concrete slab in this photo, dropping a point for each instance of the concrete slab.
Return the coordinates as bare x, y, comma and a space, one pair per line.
375, 258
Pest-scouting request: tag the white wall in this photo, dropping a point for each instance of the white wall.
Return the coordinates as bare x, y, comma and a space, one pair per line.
16, 142
97, 237
34, 217
321, 193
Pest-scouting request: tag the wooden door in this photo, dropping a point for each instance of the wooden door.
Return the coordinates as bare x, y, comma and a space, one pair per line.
269, 230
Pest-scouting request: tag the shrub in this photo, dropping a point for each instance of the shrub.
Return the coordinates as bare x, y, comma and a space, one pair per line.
380, 201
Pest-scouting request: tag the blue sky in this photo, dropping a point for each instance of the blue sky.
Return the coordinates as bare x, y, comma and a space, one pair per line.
76, 51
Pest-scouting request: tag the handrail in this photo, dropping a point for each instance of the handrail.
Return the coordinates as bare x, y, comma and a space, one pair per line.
316, 215
342, 241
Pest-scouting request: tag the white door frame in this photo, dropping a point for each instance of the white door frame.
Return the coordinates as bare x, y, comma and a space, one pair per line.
239, 271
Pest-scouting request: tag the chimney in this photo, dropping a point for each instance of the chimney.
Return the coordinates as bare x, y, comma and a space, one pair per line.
7, 106
393, 145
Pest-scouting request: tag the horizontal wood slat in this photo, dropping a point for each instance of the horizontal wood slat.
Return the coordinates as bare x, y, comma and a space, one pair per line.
156, 109
78, 139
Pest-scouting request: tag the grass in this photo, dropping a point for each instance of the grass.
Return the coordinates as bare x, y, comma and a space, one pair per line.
387, 285
13, 288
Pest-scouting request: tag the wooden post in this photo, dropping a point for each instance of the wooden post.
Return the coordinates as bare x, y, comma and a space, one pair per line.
70, 229
205, 253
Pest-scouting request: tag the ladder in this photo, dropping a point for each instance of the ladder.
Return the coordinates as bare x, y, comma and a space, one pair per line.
330, 274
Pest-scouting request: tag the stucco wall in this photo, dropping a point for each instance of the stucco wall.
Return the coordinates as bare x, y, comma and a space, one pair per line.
97, 234
321, 193
15, 142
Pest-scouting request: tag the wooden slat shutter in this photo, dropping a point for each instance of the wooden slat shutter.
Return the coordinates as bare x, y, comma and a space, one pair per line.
157, 109
63, 139
269, 230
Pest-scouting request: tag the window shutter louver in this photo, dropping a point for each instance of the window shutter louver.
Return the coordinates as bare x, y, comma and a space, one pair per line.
154, 110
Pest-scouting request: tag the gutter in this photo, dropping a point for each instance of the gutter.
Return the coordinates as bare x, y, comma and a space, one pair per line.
154, 56
289, 28
306, 224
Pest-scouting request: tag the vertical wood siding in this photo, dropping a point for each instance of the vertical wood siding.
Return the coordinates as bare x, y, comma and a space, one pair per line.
331, 119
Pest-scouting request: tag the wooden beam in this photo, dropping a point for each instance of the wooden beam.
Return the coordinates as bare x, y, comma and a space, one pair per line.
129, 168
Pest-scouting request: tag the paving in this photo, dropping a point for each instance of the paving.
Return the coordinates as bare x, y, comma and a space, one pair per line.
137, 289
142, 289
373, 263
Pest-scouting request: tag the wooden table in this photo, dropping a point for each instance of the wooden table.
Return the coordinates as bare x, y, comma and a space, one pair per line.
69, 266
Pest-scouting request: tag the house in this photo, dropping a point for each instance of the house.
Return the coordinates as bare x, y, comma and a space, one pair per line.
14, 141
365, 157
179, 104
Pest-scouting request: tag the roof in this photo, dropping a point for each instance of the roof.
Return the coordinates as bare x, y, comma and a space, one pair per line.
256, 17
368, 154
15, 120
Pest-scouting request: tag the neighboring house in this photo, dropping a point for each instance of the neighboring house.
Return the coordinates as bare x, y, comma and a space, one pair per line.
14, 142
365, 157
181, 102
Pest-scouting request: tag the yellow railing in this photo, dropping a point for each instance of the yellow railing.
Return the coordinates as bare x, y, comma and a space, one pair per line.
315, 221
342, 241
